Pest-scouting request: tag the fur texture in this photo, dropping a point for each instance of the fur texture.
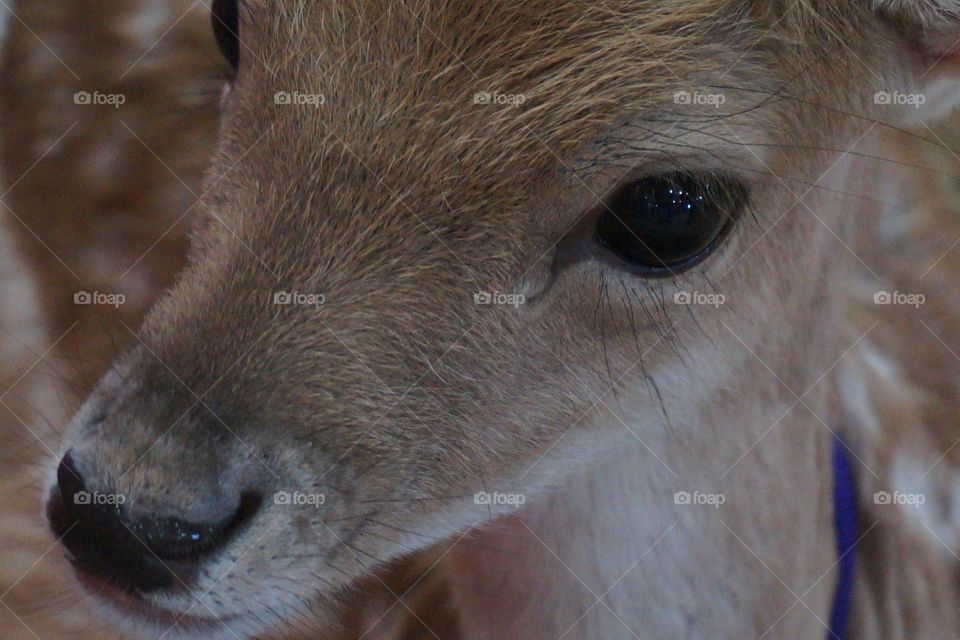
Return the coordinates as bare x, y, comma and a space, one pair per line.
398, 399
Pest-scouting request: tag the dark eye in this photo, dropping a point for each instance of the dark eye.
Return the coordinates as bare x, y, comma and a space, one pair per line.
665, 224
226, 28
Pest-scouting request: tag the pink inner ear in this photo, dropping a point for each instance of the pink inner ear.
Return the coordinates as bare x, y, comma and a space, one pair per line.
941, 50
937, 73
941, 66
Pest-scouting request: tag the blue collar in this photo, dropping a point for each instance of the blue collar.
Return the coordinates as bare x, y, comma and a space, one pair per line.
845, 525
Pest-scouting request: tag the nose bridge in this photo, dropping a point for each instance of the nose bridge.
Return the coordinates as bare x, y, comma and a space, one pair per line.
152, 456
168, 479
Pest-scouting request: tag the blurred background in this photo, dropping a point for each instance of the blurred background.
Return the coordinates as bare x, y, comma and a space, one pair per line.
98, 198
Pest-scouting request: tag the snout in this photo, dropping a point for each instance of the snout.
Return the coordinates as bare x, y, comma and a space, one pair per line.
139, 552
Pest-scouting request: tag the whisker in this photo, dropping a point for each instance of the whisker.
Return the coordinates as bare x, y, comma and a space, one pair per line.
838, 111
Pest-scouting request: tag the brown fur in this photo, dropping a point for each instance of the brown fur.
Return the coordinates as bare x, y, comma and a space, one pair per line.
398, 199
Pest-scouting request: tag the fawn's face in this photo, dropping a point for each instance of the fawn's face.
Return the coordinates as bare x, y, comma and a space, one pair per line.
441, 236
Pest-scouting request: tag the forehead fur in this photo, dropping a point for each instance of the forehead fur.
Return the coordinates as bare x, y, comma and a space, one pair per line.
401, 170
392, 71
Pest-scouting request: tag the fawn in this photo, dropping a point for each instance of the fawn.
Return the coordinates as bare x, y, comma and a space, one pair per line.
550, 284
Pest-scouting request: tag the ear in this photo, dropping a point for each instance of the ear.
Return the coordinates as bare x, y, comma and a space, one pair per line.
928, 62
925, 11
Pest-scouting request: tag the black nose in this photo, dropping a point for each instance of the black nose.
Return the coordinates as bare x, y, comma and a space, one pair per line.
136, 554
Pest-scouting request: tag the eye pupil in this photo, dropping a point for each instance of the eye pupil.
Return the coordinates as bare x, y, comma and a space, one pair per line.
225, 18
669, 223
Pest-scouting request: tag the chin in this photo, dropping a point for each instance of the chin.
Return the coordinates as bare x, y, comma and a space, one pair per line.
141, 619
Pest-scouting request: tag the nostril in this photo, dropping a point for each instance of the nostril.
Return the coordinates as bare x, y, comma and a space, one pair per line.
69, 487
135, 552
176, 539
68, 477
